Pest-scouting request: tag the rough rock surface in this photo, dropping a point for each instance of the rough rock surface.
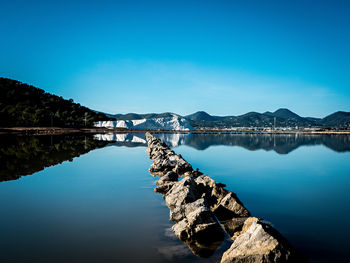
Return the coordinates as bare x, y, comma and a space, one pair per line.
233, 225
230, 206
164, 188
168, 177
259, 242
200, 225
183, 192
179, 212
224, 203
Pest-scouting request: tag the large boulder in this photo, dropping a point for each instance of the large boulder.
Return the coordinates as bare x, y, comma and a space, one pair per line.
258, 242
179, 212
182, 192
229, 207
200, 225
224, 203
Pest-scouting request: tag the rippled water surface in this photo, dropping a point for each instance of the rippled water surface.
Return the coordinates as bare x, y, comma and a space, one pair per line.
90, 199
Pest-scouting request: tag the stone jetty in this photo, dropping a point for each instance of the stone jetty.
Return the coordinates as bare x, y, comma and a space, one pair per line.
205, 213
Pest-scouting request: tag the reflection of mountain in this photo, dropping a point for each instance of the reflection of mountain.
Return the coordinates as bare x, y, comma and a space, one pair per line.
24, 155
122, 137
173, 123
280, 143
139, 139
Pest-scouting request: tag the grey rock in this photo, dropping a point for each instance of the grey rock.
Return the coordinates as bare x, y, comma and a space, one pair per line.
200, 225
179, 212
183, 192
230, 206
168, 177
164, 188
259, 243
224, 203
233, 225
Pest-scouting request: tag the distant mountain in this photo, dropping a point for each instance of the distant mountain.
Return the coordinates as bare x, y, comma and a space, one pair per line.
339, 118
281, 117
285, 114
202, 116
25, 105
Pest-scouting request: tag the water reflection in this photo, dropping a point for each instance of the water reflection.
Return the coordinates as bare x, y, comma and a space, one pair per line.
139, 139
280, 143
24, 155
107, 210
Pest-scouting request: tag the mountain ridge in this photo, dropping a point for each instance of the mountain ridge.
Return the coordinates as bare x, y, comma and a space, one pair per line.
282, 117
25, 105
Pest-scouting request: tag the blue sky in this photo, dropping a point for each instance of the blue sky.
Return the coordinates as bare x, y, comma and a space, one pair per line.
224, 57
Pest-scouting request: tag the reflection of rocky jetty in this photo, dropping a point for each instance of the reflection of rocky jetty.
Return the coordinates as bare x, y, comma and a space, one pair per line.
203, 210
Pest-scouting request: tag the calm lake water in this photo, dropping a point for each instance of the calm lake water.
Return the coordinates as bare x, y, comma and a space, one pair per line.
100, 206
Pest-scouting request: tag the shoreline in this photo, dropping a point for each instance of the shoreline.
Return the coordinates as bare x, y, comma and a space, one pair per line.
96, 130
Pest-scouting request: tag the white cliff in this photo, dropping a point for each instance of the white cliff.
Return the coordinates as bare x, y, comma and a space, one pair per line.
174, 123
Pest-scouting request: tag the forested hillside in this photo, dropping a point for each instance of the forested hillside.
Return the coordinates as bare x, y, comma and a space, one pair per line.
25, 105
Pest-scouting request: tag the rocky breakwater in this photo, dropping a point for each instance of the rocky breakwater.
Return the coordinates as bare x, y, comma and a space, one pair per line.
205, 213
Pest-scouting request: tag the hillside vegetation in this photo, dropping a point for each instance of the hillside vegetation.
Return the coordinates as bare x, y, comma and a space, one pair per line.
279, 118
25, 105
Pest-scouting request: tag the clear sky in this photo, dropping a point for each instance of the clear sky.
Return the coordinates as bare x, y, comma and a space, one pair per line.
223, 57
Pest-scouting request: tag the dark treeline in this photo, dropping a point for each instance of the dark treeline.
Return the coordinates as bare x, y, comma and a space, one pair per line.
25, 105
24, 155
